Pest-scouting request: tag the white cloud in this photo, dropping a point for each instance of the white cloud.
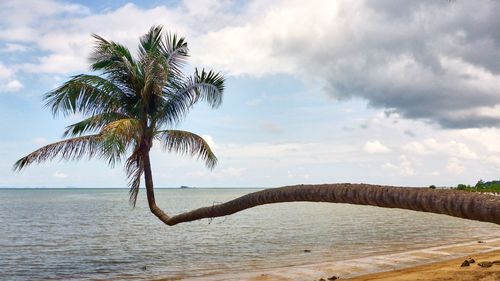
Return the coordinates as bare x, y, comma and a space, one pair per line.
60, 175
230, 172
416, 148
406, 166
58, 63
39, 140
203, 8
209, 140
485, 137
13, 86
432, 146
23, 16
5, 72
254, 102
495, 160
455, 166
297, 175
373, 147
6, 82
271, 127
368, 49
353, 49
12, 48
260, 150
435, 173
460, 150
63, 30
389, 166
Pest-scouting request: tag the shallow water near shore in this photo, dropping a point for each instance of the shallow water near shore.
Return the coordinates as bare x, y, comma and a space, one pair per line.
77, 234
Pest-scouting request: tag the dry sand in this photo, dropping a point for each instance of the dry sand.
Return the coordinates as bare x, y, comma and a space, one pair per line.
447, 270
436, 263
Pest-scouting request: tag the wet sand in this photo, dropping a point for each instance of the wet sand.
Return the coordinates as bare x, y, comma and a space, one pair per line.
436, 263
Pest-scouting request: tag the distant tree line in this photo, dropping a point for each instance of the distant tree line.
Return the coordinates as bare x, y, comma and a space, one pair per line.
481, 186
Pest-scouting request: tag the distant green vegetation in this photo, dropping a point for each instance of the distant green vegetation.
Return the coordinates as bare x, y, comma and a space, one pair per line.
481, 186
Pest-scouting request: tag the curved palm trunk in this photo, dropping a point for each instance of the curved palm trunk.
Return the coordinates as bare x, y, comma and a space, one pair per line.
148, 179
455, 203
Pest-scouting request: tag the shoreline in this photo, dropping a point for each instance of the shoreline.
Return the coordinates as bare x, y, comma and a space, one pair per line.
437, 261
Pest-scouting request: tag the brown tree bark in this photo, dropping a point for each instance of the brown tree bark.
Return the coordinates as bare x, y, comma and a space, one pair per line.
474, 206
148, 181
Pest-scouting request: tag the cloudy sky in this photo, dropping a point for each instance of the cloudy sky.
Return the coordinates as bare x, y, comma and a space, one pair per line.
387, 92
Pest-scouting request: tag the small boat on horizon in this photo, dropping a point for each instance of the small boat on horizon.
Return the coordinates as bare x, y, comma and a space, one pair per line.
185, 186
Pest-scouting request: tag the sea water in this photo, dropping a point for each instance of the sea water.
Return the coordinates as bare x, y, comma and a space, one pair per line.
81, 234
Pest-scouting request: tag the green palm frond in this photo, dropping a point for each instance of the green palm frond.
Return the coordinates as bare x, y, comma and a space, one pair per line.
156, 72
134, 168
175, 50
209, 87
113, 150
116, 62
69, 149
118, 136
155, 78
92, 124
108, 55
86, 94
123, 130
172, 47
205, 86
151, 41
187, 143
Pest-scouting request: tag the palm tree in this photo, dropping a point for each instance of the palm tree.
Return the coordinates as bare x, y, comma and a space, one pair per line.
128, 104
131, 101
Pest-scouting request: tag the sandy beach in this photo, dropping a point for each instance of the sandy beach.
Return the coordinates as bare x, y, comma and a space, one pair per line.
436, 263
446, 270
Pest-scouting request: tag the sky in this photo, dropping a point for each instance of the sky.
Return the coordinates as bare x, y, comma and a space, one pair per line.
383, 92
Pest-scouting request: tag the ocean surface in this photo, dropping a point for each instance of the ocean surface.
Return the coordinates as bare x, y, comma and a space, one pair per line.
81, 234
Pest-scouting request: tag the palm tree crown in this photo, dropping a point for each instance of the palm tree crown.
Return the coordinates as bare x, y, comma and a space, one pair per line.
129, 103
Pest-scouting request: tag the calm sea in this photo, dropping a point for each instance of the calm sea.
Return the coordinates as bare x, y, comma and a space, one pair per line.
77, 234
